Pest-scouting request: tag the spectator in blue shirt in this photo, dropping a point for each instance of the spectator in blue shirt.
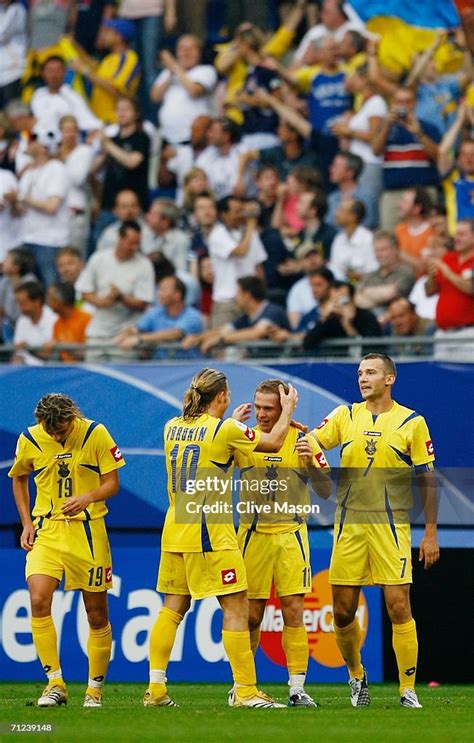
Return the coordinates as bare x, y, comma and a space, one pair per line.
258, 320
171, 320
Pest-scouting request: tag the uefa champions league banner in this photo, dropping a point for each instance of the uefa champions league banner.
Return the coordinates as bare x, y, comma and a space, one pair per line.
198, 654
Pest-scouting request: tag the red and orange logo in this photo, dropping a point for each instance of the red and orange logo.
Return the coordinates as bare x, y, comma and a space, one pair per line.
318, 620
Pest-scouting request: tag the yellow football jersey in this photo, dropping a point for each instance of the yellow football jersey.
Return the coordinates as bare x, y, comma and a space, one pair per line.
123, 72
378, 454
284, 467
69, 469
200, 464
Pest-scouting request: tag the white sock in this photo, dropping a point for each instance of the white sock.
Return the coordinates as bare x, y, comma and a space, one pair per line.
93, 684
296, 682
157, 677
55, 675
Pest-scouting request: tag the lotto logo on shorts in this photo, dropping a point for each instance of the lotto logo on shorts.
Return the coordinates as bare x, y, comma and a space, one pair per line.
430, 448
116, 453
108, 574
321, 459
228, 577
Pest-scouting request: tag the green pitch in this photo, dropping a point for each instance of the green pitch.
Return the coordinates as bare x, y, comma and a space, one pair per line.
203, 716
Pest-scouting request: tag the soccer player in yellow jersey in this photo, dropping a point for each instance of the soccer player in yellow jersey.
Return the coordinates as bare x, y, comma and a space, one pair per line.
74, 462
381, 444
275, 546
200, 554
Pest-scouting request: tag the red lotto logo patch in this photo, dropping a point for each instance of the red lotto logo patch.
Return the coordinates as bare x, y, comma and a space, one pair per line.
116, 453
321, 459
108, 574
250, 433
322, 424
430, 448
228, 577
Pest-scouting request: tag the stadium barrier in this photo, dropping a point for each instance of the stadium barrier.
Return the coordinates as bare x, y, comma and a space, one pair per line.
419, 346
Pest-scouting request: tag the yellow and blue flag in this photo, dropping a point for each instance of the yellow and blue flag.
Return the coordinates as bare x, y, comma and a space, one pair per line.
407, 28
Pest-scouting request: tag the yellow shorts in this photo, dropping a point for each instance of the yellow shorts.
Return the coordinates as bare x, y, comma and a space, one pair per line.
371, 553
282, 558
201, 574
79, 550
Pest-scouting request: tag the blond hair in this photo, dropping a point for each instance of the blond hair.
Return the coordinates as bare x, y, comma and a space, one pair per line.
204, 387
55, 410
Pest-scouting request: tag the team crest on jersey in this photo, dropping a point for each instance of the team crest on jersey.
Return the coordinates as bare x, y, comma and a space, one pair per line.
371, 447
228, 577
271, 473
430, 448
116, 453
63, 469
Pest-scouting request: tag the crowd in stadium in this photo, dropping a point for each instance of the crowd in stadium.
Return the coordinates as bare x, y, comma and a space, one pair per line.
165, 180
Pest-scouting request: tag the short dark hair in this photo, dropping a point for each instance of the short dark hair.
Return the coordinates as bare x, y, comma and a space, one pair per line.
223, 205
32, 289
324, 273
357, 40
353, 162
350, 287
53, 58
65, 291
129, 224
308, 176
271, 387
231, 127
254, 286
422, 198
264, 167
23, 260
411, 306
359, 210
319, 202
389, 364
179, 285
69, 250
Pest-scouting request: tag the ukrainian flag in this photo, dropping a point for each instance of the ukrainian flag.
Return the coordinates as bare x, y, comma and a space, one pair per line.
408, 27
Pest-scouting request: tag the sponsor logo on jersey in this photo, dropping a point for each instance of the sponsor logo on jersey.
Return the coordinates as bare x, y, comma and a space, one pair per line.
116, 453
68, 455
108, 574
248, 432
430, 448
273, 459
321, 459
372, 433
228, 577
318, 620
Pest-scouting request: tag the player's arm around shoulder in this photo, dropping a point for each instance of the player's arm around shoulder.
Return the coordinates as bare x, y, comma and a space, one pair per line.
316, 465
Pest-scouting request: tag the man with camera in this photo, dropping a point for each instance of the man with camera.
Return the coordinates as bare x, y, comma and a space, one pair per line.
410, 148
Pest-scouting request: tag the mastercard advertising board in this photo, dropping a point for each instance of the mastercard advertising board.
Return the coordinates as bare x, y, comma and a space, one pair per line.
198, 653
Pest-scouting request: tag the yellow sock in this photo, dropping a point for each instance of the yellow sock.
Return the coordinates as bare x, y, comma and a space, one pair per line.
99, 647
46, 644
405, 645
239, 652
295, 646
348, 641
255, 639
162, 640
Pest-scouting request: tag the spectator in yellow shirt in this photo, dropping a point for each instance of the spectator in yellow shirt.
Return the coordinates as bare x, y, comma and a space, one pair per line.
118, 74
